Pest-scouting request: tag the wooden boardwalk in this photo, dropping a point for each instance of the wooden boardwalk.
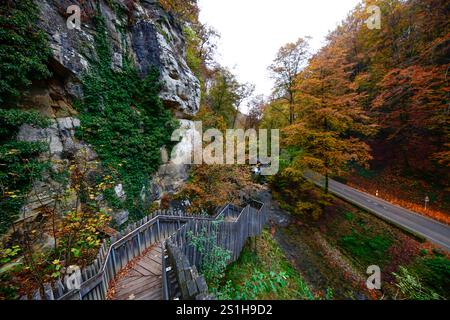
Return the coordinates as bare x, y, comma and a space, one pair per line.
142, 279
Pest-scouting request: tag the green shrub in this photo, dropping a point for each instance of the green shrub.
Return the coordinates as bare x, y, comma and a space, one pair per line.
259, 283
192, 55
435, 272
263, 272
214, 258
8, 291
12, 119
349, 216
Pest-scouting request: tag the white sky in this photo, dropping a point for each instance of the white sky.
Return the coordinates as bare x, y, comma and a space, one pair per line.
252, 31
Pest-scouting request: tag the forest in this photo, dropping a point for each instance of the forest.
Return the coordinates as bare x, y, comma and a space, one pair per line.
369, 111
372, 98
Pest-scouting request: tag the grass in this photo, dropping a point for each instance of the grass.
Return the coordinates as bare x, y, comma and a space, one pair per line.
433, 270
367, 249
370, 241
265, 274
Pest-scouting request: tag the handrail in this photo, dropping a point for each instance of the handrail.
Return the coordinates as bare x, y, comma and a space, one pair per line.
205, 219
174, 239
111, 257
164, 273
126, 238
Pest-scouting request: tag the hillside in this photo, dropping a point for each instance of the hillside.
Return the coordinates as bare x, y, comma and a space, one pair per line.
130, 171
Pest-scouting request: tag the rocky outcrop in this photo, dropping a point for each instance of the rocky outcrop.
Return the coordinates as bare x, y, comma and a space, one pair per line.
141, 31
138, 30
173, 173
62, 145
59, 136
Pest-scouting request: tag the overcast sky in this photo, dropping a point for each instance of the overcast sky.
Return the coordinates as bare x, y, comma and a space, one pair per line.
252, 31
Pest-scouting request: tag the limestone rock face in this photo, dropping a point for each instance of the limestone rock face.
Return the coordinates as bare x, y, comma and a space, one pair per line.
174, 172
141, 31
60, 138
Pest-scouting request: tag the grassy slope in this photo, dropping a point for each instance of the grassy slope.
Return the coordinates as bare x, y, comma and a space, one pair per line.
367, 241
349, 238
266, 259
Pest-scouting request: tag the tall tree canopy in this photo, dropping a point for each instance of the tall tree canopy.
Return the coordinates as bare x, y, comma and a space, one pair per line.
289, 61
385, 90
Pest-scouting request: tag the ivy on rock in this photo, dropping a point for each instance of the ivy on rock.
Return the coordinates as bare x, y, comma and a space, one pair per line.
19, 164
24, 53
124, 120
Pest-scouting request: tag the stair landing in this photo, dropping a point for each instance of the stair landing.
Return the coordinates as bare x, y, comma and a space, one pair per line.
141, 279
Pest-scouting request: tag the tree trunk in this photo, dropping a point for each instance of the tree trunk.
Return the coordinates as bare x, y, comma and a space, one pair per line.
291, 115
291, 108
327, 183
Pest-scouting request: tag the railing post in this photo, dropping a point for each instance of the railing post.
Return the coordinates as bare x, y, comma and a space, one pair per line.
164, 273
113, 256
139, 243
159, 229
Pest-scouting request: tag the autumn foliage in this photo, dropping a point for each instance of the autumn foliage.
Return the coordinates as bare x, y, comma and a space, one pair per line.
215, 186
377, 98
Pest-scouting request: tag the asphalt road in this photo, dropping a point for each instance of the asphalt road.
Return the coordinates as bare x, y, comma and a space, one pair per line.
432, 230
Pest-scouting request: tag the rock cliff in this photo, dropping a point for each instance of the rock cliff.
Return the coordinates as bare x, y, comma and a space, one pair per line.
140, 31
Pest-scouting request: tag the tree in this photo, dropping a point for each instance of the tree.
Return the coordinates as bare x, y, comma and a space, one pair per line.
200, 48
243, 92
215, 186
255, 111
207, 44
184, 9
444, 157
403, 71
331, 120
325, 152
413, 110
226, 95
290, 60
387, 89
275, 115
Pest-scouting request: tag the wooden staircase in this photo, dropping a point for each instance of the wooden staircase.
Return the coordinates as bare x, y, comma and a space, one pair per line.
135, 264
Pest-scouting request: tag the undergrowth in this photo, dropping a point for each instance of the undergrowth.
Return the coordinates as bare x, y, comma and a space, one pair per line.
264, 273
